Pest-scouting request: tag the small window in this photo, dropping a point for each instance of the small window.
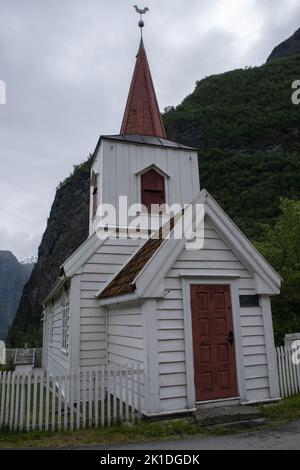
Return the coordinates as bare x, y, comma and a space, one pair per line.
249, 301
65, 326
153, 189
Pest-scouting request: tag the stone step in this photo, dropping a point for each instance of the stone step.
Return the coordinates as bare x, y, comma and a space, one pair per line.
226, 414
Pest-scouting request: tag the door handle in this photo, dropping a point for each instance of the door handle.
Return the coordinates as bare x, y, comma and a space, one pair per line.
230, 338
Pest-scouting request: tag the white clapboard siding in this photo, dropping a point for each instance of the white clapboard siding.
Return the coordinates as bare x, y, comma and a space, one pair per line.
289, 372
121, 162
214, 259
58, 360
84, 398
125, 335
99, 269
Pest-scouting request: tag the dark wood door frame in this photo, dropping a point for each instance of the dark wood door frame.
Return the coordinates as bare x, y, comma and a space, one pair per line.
215, 370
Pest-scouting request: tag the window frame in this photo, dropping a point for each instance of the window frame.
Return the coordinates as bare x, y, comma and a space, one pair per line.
249, 301
65, 327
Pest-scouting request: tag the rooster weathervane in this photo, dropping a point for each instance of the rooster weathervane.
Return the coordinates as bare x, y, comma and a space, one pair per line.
141, 12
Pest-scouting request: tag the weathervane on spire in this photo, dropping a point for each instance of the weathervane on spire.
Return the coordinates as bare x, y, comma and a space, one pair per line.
141, 12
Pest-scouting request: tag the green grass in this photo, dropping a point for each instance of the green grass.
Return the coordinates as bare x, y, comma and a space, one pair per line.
145, 431
277, 414
284, 411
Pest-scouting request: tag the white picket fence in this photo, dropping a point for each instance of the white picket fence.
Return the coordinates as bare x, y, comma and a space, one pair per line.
86, 398
289, 373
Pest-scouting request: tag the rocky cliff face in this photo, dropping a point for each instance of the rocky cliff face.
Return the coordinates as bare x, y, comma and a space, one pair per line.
66, 230
287, 48
13, 277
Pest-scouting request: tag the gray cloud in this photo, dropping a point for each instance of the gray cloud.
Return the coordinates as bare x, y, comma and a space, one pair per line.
67, 65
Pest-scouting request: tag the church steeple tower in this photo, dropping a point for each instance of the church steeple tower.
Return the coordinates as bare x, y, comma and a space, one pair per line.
142, 115
140, 165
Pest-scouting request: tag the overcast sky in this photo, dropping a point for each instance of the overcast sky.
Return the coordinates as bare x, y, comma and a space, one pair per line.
67, 66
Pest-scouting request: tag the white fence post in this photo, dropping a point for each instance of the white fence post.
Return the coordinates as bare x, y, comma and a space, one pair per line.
90, 376
12, 402
108, 395
64, 390
17, 405
96, 397
22, 406
34, 404
28, 414
139, 392
41, 401
102, 396
115, 411
78, 400
2, 382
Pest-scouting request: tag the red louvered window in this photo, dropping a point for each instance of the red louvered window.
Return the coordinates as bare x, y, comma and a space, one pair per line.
153, 189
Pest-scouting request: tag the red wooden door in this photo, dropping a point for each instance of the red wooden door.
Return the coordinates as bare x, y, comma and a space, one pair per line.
214, 352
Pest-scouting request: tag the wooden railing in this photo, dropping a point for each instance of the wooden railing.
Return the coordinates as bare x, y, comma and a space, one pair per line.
24, 357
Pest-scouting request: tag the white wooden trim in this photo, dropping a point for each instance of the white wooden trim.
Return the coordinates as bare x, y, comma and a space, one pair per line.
151, 357
241, 246
218, 403
270, 346
192, 275
45, 339
170, 413
117, 300
155, 167
239, 357
74, 319
149, 280
188, 341
263, 400
61, 281
188, 333
82, 255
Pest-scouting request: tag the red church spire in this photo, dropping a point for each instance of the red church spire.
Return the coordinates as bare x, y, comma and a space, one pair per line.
142, 115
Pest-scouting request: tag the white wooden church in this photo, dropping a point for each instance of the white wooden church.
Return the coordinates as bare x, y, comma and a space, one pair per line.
198, 322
